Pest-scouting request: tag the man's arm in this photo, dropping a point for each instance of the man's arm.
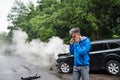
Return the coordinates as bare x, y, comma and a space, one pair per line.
71, 49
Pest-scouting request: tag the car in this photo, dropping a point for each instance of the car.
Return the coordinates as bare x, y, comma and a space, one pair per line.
104, 54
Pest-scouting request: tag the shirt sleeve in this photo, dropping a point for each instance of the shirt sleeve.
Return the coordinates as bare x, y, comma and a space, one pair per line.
71, 49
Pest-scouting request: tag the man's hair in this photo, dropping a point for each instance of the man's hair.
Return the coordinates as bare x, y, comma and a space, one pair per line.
74, 30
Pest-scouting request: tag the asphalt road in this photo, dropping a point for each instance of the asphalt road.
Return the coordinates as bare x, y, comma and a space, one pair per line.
94, 75
13, 68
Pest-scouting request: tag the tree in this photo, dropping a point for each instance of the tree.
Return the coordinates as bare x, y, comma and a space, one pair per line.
107, 13
97, 19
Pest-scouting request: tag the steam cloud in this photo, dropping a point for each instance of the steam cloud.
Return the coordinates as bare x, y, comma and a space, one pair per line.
37, 51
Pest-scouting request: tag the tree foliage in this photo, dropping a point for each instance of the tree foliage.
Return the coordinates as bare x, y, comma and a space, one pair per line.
97, 19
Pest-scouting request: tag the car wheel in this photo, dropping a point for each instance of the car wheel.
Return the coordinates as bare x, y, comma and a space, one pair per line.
64, 67
113, 67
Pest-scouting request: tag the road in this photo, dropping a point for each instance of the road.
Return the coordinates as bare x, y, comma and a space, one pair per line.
94, 75
13, 68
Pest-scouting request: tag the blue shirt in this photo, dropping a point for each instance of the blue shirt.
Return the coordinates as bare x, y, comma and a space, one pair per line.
81, 52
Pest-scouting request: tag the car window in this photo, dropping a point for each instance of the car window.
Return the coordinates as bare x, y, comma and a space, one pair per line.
114, 45
98, 47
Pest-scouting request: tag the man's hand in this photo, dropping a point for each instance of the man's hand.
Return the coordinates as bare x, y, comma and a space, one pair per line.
72, 41
77, 38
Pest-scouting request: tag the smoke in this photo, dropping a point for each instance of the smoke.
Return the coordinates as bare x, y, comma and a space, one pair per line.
3, 43
36, 51
2, 47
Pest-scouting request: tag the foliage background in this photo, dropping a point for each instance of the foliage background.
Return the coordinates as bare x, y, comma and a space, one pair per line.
97, 19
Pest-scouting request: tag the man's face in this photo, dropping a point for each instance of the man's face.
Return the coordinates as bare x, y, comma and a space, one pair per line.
76, 37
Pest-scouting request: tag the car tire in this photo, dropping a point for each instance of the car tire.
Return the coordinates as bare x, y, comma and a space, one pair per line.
64, 67
113, 67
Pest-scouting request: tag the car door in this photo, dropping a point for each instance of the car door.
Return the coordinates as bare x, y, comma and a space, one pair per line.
97, 55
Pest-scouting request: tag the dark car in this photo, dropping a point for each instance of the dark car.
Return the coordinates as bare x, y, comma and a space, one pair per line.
104, 54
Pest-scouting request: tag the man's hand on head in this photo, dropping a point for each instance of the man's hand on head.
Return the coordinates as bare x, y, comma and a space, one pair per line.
72, 41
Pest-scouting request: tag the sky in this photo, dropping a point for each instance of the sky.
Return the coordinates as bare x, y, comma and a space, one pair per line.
5, 7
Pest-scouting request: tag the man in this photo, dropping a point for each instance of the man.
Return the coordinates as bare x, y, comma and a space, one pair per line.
79, 47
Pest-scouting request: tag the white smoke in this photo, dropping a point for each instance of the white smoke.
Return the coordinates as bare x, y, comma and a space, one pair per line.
3, 44
37, 51
2, 48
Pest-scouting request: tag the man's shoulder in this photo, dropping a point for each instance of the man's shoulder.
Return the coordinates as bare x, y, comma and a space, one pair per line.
87, 40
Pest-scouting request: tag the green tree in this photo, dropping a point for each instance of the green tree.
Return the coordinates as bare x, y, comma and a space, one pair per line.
107, 13
97, 19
